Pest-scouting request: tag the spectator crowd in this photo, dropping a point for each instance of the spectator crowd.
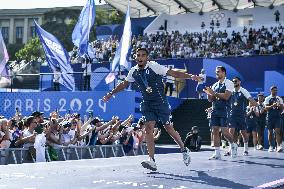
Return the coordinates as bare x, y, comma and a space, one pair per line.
209, 44
70, 130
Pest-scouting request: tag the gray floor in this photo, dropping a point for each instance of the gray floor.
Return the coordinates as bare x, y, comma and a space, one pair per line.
125, 172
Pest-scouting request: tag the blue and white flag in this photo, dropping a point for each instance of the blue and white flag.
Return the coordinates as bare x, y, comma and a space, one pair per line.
56, 56
4, 57
81, 32
122, 49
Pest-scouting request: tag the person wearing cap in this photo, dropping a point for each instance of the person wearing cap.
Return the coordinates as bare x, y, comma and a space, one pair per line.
274, 107
193, 140
67, 138
201, 84
38, 116
148, 75
260, 120
237, 113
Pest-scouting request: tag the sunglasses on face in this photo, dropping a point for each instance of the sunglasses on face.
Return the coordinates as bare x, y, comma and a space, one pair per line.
235, 81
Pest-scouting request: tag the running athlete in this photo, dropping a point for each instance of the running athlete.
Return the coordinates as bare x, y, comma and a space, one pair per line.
148, 76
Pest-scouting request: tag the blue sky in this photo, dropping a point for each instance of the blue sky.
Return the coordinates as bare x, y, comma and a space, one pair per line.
28, 4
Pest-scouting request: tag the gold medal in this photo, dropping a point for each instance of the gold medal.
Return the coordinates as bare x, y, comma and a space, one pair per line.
235, 103
149, 90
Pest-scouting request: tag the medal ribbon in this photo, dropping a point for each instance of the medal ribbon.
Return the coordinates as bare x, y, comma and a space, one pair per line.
236, 97
143, 78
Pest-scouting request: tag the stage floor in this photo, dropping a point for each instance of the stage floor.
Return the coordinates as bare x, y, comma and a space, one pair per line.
126, 172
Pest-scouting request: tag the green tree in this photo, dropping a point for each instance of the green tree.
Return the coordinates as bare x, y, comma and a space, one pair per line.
61, 23
116, 18
31, 51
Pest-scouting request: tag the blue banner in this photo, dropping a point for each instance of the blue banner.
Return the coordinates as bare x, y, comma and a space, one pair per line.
250, 69
57, 57
81, 102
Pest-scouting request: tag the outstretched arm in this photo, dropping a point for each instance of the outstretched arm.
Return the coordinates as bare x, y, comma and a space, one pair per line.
117, 89
182, 75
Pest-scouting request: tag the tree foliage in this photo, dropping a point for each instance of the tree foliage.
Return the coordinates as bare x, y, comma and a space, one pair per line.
61, 22
31, 50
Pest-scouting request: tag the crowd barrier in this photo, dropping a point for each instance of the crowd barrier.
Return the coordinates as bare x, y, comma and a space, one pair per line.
22, 155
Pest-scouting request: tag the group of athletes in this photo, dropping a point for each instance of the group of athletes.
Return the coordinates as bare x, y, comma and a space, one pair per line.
226, 97
231, 115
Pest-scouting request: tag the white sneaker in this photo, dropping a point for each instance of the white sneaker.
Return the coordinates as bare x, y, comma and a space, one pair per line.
149, 164
234, 150
215, 156
259, 147
279, 149
186, 156
245, 153
223, 143
270, 149
227, 153
255, 148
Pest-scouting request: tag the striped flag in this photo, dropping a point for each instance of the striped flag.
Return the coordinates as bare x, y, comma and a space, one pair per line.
57, 57
81, 32
122, 49
4, 57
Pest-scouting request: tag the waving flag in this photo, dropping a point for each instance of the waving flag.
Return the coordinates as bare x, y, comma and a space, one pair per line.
81, 32
4, 57
122, 49
56, 56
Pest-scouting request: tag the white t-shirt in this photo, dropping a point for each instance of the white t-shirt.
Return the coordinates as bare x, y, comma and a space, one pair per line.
72, 134
27, 133
39, 145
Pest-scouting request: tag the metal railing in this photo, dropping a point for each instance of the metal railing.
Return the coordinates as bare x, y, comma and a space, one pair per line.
64, 153
44, 82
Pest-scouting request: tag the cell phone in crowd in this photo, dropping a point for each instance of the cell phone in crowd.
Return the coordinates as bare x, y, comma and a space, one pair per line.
90, 113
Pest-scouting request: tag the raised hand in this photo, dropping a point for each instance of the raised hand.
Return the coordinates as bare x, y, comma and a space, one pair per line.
107, 97
208, 91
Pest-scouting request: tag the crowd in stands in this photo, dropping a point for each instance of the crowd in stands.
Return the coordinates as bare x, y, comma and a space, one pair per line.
210, 44
71, 130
